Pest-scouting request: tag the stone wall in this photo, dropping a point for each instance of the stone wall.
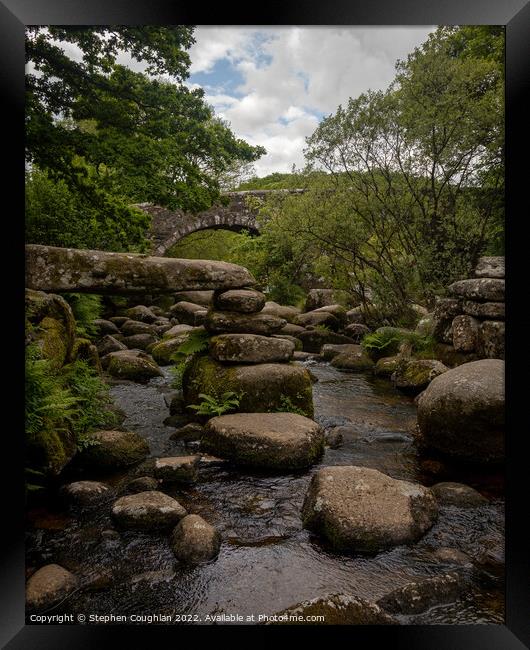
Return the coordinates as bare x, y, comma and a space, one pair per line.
472, 318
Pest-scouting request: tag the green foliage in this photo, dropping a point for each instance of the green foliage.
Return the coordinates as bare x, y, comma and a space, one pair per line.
70, 399
78, 214
49, 404
404, 188
86, 308
92, 397
287, 406
210, 405
388, 340
196, 342
107, 136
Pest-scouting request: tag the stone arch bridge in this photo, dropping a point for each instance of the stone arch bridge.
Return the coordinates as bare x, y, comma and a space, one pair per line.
168, 226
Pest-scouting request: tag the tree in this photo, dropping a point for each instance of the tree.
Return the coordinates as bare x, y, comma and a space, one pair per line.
404, 188
419, 168
105, 129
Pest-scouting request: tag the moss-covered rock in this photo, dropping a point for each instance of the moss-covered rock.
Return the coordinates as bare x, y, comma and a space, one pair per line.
264, 386
51, 450
51, 324
133, 365
163, 350
354, 359
386, 366
250, 348
85, 350
414, 375
109, 450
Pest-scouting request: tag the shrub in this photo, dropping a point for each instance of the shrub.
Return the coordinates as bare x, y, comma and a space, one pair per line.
386, 341
71, 399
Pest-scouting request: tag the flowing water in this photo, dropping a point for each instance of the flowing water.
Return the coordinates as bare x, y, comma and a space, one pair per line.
267, 560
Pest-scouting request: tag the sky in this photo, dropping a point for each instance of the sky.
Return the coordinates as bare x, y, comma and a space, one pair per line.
275, 84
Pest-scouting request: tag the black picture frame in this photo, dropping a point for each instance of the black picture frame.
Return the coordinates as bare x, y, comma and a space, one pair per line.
515, 14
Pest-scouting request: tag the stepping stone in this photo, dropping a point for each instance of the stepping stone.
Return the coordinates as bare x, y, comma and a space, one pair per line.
48, 586
82, 493
147, 511
458, 494
177, 469
194, 540
361, 509
282, 441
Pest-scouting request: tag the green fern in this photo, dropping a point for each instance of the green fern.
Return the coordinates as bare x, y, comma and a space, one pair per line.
196, 342
287, 406
210, 405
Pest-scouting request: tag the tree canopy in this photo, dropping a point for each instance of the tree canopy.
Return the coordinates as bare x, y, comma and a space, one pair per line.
405, 188
115, 136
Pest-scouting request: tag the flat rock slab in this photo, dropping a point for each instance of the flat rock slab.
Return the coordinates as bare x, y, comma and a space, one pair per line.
490, 310
177, 469
246, 301
479, 289
49, 268
219, 322
48, 586
362, 509
147, 510
490, 267
462, 412
281, 441
195, 541
250, 348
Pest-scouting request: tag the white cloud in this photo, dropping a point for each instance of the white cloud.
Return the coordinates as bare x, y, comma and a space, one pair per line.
293, 75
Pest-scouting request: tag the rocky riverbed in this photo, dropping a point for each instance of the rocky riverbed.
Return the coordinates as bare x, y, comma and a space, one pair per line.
267, 561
